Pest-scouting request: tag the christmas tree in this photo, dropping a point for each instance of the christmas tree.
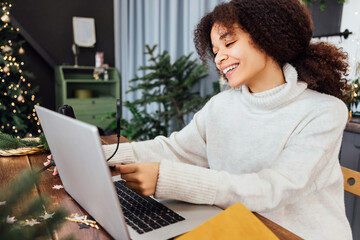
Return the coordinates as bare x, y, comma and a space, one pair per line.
17, 96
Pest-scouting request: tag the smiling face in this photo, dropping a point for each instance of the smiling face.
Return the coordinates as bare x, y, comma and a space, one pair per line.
241, 62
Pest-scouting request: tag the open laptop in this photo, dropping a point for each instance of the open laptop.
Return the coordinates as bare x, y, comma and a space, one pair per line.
82, 167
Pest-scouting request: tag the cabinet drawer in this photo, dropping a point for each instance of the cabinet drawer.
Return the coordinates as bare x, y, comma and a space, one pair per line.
94, 119
92, 105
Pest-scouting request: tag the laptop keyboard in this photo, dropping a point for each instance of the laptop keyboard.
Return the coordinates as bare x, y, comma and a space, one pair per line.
144, 214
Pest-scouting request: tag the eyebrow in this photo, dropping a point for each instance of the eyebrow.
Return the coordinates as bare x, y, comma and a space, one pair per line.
223, 36
228, 33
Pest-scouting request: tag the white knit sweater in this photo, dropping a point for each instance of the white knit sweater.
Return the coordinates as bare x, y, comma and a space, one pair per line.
276, 152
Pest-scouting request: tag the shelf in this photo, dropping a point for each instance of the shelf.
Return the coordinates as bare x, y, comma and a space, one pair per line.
98, 97
92, 81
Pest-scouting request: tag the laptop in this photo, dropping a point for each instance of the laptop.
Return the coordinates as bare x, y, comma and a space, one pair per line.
85, 175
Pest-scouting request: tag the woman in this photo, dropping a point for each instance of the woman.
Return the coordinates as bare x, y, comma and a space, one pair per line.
272, 141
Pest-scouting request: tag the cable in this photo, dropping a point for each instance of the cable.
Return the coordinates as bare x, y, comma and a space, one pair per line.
117, 146
118, 128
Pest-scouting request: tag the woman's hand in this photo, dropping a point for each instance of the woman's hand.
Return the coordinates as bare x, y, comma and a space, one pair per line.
141, 177
55, 172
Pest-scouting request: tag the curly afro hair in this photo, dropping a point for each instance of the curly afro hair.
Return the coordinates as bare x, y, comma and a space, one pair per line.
283, 30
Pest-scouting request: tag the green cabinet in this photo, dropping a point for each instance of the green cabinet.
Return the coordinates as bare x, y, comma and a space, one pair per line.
90, 98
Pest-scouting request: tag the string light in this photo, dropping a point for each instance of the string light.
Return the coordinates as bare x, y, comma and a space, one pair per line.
12, 67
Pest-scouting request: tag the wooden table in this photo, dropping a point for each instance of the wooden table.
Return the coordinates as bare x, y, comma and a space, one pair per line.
11, 166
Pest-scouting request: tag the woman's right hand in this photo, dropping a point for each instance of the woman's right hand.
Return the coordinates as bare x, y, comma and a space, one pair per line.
55, 172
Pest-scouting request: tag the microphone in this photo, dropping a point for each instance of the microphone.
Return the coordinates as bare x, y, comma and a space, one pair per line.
118, 116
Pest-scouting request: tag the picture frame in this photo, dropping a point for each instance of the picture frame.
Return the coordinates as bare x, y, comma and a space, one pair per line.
84, 31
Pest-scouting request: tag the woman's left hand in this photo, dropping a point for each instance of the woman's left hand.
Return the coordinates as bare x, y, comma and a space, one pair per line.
141, 177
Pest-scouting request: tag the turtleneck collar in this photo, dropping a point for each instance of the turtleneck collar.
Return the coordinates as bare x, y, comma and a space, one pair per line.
277, 96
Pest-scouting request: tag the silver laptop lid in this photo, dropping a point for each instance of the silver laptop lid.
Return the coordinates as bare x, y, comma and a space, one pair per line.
78, 155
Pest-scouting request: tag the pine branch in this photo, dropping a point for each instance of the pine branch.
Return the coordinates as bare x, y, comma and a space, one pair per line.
19, 204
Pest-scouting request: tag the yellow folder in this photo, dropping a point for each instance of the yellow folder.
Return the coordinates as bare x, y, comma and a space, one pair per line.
235, 222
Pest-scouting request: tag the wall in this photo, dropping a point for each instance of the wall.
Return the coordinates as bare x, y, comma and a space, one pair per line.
351, 21
49, 24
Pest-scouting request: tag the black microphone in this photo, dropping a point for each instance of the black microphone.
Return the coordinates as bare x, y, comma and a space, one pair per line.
118, 116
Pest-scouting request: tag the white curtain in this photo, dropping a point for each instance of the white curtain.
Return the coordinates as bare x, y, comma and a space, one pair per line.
168, 23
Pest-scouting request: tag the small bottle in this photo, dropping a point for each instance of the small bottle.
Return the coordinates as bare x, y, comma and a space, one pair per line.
106, 75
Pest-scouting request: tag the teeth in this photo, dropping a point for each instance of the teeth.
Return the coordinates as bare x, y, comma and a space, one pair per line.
230, 68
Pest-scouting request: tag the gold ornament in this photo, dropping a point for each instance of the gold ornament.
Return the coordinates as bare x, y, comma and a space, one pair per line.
6, 69
21, 51
7, 48
5, 18
20, 98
